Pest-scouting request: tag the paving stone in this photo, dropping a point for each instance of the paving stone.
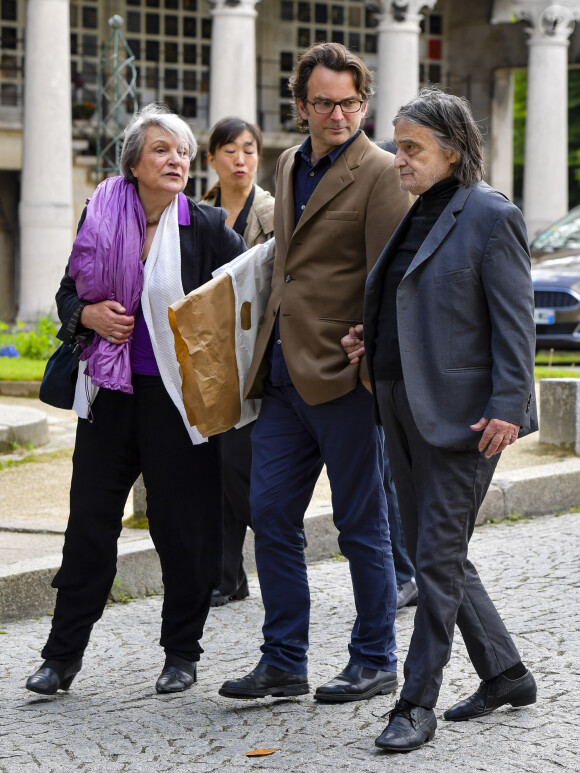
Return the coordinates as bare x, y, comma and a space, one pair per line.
112, 720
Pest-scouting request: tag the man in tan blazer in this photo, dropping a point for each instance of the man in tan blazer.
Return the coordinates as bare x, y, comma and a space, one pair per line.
338, 201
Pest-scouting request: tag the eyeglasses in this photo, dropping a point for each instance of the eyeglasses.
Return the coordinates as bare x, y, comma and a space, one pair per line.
326, 106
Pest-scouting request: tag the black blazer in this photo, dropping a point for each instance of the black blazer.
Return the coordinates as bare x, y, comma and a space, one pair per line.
205, 244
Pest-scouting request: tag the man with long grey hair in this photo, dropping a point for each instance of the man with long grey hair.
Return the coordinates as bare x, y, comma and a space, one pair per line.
450, 343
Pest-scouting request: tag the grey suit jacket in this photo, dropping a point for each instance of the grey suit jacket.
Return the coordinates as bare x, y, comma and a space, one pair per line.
465, 319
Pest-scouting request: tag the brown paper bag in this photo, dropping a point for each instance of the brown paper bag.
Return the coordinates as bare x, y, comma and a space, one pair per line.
203, 325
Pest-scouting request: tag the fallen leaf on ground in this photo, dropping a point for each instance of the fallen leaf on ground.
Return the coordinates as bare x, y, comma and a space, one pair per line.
260, 752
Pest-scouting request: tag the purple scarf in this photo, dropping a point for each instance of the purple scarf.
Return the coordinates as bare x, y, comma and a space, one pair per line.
106, 265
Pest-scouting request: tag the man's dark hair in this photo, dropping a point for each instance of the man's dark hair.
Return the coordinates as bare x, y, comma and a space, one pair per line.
334, 56
451, 121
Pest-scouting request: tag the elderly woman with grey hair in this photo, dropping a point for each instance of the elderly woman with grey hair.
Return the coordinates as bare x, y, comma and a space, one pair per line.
141, 245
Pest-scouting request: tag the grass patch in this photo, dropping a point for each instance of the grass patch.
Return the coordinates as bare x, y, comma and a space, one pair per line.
551, 363
557, 357
136, 521
24, 351
47, 458
21, 369
543, 371
4, 465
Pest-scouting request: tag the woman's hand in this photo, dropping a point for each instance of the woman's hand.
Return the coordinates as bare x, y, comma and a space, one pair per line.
108, 319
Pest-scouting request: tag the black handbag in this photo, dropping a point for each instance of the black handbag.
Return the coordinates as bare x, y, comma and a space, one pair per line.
60, 377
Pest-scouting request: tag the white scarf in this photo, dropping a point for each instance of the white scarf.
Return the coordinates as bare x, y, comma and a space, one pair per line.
162, 286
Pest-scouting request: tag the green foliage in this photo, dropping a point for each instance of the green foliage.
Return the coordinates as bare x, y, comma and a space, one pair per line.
520, 92
117, 593
36, 344
39, 343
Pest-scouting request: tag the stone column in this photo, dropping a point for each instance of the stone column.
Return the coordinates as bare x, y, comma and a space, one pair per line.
546, 151
398, 70
46, 197
233, 60
502, 133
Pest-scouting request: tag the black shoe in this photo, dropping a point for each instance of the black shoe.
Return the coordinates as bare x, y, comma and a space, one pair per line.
218, 599
407, 594
355, 683
492, 694
265, 680
409, 728
176, 678
53, 675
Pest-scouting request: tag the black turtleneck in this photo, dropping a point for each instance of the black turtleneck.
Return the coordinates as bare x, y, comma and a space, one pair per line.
387, 357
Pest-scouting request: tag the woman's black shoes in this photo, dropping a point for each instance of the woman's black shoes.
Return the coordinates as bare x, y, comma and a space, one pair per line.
177, 675
53, 675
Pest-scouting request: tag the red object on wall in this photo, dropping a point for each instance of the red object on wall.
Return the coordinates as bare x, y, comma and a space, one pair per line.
434, 48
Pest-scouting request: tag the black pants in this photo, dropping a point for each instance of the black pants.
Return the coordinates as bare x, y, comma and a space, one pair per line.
237, 464
130, 434
440, 492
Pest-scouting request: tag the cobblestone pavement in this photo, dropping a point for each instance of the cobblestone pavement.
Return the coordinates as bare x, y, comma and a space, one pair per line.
112, 720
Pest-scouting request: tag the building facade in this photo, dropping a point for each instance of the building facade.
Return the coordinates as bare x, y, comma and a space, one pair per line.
210, 58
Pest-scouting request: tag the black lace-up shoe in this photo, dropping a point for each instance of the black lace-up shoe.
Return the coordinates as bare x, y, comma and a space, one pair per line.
409, 728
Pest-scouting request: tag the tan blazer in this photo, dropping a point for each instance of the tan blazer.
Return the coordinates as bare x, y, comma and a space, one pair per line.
260, 225
321, 267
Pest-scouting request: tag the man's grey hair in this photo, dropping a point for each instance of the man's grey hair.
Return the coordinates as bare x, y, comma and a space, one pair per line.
154, 114
452, 123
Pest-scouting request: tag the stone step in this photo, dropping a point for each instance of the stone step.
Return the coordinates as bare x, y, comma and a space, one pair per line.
22, 426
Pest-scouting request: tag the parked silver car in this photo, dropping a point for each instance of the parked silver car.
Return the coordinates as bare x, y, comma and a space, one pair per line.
557, 303
560, 239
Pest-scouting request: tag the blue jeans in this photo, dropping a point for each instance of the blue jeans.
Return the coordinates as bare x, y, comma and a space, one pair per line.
290, 443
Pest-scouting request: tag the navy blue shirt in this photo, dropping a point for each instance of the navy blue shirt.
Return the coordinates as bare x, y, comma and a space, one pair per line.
306, 177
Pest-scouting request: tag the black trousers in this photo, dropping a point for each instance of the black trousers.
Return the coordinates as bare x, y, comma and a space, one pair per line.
130, 434
237, 464
440, 492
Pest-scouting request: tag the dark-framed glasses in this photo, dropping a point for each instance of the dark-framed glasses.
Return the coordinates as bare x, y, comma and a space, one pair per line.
326, 106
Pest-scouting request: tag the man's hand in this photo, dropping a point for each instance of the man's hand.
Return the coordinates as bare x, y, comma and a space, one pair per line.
108, 319
497, 435
353, 344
